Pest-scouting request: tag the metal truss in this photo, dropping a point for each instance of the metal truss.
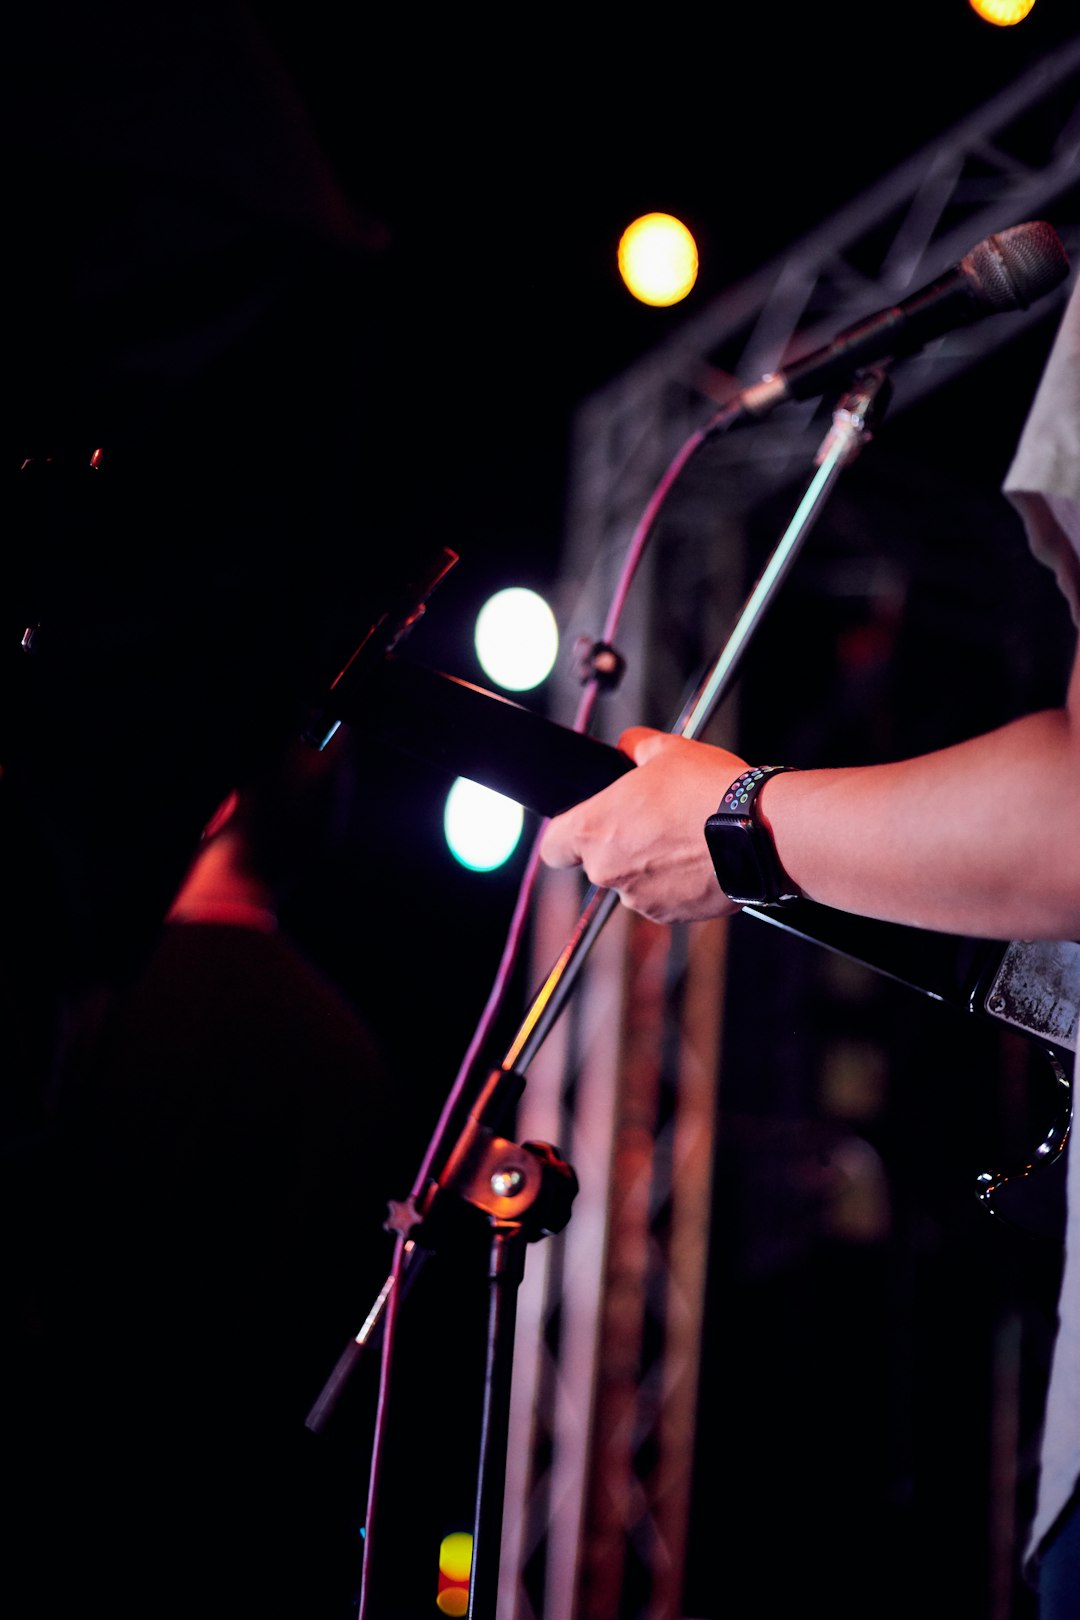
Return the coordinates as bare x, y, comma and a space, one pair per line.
608, 1334
1016, 159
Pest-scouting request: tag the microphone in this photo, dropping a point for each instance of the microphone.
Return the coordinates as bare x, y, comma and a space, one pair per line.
1009, 270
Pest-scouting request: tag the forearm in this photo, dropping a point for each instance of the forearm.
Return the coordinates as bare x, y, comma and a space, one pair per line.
982, 838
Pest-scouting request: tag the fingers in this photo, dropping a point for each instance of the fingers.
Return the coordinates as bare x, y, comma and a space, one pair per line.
561, 844
568, 835
558, 846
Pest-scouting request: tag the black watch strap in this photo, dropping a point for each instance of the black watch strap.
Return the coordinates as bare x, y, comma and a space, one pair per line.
745, 862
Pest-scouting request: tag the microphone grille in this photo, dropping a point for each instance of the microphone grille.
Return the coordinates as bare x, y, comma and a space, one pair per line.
1014, 267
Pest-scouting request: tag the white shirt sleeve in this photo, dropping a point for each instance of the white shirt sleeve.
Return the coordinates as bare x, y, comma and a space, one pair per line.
1043, 481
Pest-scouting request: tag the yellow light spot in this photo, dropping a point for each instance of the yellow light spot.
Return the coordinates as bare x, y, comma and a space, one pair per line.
455, 1566
1002, 13
658, 259
453, 1600
455, 1555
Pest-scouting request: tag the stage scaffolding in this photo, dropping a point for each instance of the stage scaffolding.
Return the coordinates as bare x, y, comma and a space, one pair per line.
608, 1353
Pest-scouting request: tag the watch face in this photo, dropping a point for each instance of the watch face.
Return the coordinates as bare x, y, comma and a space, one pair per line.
741, 863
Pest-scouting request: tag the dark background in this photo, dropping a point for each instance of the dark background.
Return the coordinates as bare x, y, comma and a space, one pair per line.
507, 162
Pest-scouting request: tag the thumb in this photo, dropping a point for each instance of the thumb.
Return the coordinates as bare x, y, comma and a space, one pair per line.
558, 846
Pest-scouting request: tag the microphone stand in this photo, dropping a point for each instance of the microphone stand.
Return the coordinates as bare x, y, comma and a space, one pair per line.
852, 424
526, 1191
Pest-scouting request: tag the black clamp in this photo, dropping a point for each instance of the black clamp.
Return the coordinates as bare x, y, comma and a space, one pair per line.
598, 661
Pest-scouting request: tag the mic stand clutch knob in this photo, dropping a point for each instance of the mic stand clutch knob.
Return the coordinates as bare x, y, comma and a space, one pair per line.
501, 1179
529, 1186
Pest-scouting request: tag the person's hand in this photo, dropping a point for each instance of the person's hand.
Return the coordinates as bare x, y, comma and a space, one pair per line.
644, 836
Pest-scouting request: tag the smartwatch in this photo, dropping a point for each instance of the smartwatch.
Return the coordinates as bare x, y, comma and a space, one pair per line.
745, 862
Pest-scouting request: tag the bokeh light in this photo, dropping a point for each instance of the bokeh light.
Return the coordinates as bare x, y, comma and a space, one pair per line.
455, 1570
1003, 13
455, 1555
482, 827
516, 638
658, 259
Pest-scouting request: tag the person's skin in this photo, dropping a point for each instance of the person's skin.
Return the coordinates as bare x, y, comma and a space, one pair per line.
220, 886
981, 838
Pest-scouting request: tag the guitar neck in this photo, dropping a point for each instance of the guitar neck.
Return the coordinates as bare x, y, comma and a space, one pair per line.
942, 966
1034, 986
